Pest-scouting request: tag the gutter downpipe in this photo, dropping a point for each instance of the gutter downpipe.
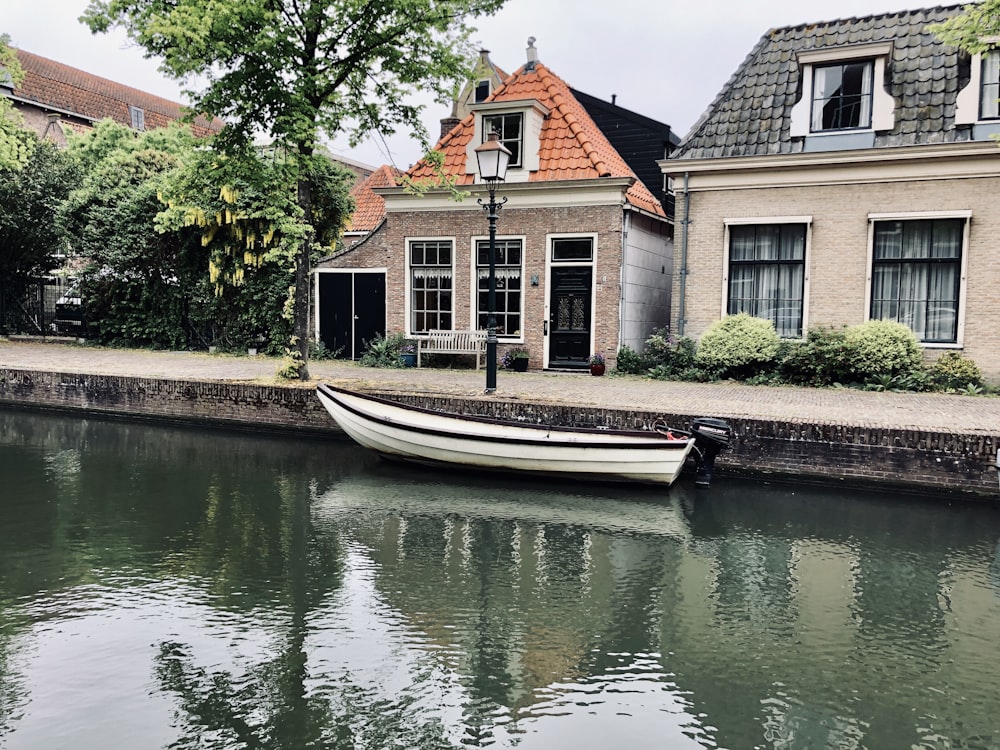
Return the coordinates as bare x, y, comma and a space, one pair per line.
681, 313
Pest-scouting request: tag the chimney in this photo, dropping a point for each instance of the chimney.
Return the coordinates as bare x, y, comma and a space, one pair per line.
532, 55
448, 123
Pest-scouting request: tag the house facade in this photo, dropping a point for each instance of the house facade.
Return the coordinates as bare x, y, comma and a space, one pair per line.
583, 247
847, 173
55, 99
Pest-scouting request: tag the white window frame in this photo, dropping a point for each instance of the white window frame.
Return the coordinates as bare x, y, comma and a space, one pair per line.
806, 258
137, 117
883, 114
474, 286
965, 215
516, 161
969, 104
408, 305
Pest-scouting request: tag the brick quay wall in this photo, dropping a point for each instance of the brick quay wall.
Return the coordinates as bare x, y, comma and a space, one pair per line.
915, 459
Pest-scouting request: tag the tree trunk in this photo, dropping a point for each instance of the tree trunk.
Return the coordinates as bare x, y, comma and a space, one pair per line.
300, 324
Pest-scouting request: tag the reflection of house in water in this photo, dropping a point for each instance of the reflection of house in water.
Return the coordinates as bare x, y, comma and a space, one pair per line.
542, 603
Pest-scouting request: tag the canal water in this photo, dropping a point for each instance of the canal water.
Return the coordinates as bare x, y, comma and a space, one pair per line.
177, 588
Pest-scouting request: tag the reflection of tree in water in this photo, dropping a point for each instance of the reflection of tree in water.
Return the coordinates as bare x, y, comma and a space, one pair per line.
11, 689
271, 706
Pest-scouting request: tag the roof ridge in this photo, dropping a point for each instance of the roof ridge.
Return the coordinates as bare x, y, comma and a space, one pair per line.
870, 16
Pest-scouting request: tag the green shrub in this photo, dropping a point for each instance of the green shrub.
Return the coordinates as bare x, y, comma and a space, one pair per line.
667, 355
738, 346
954, 372
822, 359
384, 351
628, 361
882, 347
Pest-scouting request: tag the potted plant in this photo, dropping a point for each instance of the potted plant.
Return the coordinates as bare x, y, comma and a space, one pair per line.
408, 354
516, 359
597, 363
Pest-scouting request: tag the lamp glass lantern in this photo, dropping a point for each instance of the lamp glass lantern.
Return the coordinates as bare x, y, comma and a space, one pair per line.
493, 158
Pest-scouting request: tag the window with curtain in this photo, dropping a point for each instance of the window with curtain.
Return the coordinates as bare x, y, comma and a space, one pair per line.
842, 96
431, 279
509, 275
767, 274
989, 107
916, 272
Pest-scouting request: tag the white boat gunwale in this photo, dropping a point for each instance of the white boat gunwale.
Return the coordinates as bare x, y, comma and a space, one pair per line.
598, 437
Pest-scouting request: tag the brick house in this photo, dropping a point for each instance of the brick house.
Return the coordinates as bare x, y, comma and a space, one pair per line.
583, 245
846, 173
54, 97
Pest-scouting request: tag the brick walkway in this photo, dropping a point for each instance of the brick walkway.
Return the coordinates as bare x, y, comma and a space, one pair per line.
933, 411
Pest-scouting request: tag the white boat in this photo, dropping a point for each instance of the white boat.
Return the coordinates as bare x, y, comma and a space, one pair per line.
400, 431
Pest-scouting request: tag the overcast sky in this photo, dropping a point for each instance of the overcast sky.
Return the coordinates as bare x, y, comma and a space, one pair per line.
663, 59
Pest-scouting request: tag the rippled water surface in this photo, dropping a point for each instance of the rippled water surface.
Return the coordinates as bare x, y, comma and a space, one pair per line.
176, 588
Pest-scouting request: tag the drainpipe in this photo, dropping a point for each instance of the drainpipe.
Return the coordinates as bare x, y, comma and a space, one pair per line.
623, 301
681, 313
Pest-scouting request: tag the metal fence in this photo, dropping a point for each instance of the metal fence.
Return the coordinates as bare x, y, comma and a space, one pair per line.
29, 308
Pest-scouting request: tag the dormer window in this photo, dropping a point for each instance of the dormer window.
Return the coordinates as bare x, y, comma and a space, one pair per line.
844, 102
138, 118
511, 132
842, 96
989, 107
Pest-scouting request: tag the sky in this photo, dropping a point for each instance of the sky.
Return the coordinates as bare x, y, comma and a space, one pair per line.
664, 59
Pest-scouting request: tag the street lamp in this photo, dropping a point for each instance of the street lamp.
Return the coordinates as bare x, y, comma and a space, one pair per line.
493, 158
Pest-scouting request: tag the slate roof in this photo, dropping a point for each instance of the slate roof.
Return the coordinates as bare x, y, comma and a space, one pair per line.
61, 88
571, 146
369, 207
751, 115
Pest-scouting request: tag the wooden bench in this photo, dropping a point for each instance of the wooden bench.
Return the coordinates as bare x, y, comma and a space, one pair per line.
438, 341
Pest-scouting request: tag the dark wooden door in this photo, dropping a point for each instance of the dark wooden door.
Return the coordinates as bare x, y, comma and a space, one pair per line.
369, 309
351, 311
570, 317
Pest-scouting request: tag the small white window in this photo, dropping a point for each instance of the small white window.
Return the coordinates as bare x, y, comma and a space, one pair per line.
511, 134
842, 96
989, 107
138, 118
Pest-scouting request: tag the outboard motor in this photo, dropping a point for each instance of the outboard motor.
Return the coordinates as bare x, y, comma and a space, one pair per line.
711, 437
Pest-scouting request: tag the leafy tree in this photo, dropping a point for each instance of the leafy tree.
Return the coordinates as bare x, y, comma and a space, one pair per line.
16, 143
297, 68
30, 238
135, 284
245, 214
974, 30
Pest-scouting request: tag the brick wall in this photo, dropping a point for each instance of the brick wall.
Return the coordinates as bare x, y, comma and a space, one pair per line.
910, 458
837, 265
386, 248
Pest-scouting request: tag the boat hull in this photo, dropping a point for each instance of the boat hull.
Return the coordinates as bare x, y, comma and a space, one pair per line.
418, 435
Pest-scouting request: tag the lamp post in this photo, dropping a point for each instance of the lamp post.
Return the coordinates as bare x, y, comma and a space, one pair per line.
493, 158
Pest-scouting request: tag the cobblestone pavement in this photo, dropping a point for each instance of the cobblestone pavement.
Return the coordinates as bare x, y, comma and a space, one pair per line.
932, 411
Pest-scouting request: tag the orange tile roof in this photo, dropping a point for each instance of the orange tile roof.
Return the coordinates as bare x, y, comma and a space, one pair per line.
52, 85
571, 146
369, 207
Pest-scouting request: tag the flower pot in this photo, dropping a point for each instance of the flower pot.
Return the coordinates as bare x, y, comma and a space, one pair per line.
520, 364
408, 360
597, 369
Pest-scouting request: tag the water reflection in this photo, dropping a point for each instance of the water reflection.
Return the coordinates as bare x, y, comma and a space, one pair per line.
181, 588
